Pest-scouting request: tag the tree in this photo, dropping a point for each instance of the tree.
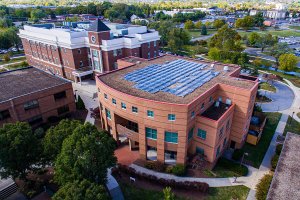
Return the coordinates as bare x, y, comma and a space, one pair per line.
279, 49
86, 154
226, 39
164, 28
288, 62
203, 30
6, 57
189, 25
214, 54
19, 150
245, 23
253, 38
259, 19
218, 23
37, 14
198, 24
243, 60
177, 38
168, 194
55, 136
81, 190
266, 41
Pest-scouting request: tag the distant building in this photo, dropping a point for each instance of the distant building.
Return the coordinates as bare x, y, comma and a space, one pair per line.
32, 96
171, 108
83, 49
279, 12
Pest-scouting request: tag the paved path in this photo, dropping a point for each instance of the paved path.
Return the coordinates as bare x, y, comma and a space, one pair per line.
8, 64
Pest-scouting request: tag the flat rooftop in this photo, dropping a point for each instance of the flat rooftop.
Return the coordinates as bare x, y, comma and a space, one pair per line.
216, 110
171, 79
25, 81
285, 183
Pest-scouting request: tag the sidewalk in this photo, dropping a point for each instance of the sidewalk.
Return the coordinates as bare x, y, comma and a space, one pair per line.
296, 104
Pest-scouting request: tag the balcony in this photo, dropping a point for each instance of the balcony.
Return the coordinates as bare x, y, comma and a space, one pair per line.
122, 130
216, 111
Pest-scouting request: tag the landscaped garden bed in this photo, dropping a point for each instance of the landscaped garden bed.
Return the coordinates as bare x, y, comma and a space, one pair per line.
267, 86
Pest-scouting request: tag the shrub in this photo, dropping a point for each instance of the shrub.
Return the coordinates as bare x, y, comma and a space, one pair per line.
178, 170
263, 186
6, 57
39, 132
274, 161
237, 154
168, 194
278, 149
169, 169
80, 104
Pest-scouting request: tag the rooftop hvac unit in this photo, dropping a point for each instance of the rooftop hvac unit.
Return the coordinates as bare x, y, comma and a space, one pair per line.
226, 68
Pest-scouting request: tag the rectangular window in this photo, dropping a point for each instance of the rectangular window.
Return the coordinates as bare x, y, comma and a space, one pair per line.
171, 117
105, 96
224, 142
35, 120
150, 113
171, 137
4, 114
123, 105
151, 133
149, 44
154, 43
114, 101
221, 131
218, 151
201, 134
228, 124
79, 51
191, 133
60, 95
115, 52
199, 150
202, 106
63, 109
107, 113
119, 51
192, 114
149, 56
31, 105
154, 53
134, 109
81, 63
220, 99
210, 99
95, 53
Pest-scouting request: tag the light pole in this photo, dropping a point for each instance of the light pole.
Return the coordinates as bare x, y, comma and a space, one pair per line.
292, 118
244, 154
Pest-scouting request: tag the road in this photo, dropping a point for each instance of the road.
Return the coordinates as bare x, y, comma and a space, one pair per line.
206, 37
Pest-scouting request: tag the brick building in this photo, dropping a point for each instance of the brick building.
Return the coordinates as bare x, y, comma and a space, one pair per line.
33, 95
84, 48
170, 107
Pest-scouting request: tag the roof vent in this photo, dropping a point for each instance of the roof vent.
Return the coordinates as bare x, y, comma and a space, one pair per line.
212, 65
226, 68
138, 62
167, 62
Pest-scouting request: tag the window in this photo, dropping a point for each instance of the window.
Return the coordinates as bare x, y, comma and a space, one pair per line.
115, 52
60, 95
133, 126
99, 90
114, 101
218, 151
151, 133
79, 51
225, 141
171, 137
63, 109
149, 56
35, 120
149, 44
119, 52
202, 106
220, 99
171, 117
65, 50
191, 133
4, 114
193, 114
199, 150
150, 113
201, 134
115, 65
154, 43
107, 113
154, 53
31, 104
95, 53
210, 99
221, 131
228, 124
105, 96
81, 63
123, 105
134, 109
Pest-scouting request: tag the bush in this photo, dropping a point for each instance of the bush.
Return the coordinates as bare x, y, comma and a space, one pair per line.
80, 104
279, 149
274, 161
169, 169
155, 165
39, 132
237, 154
6, 57
178, 170
263, 186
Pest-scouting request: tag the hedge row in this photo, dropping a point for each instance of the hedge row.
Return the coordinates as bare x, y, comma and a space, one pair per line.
187, 185
178, 169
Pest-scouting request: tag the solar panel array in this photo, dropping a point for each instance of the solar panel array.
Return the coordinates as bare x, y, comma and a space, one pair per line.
179, 77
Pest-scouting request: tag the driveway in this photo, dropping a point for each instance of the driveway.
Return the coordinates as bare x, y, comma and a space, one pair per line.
281, 100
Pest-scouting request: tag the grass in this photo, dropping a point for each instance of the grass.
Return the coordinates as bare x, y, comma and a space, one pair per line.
256, 153
295, 27
294, 79
13, 60
16, 66
226, 168
225, 193
292, 126
2, 70
197, 32
267, 86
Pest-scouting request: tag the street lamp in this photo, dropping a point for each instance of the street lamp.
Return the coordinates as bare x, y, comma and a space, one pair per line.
244, 154
292, 118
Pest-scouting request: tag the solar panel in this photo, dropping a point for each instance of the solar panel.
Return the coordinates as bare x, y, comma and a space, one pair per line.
178, 77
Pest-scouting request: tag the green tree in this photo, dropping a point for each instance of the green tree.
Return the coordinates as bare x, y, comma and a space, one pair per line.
265, 41
245, 23
288, 62
19, 150
81, 190
168, 194
203, 30
6, 57
55, 136
278, 49
164, 28
214, 54
86, 154
189, 25
243, 60
198, 24
218, 23
37, 14
253, 38
259, 19
177, 38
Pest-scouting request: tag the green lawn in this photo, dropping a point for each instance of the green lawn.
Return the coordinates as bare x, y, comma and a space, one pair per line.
13, 60
294, 79
292, 126
15, 66
280, 33
226, 168
228, 193
267, 86
295, 27
2, 70
197, 32
256, 153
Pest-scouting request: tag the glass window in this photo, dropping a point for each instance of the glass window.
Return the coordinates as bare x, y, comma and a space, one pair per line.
60, 95
228, 124
154, 53
35, 120
193, 114
220, 99
199, 150
171, 137
221, 131
114, 101
149, 56
105, 96
151, 133
115, 52
134, 109
79, 51
225, 141
95, 53
171, 117
63, 109
96, 65
150, 113
4, 114
154, 43
149, 44
107, 113
191, 133
202, 106
201, 133
31, 104
81, 63
123, 105
218, 151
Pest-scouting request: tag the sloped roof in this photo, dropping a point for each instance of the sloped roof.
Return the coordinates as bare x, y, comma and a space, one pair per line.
98, 26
